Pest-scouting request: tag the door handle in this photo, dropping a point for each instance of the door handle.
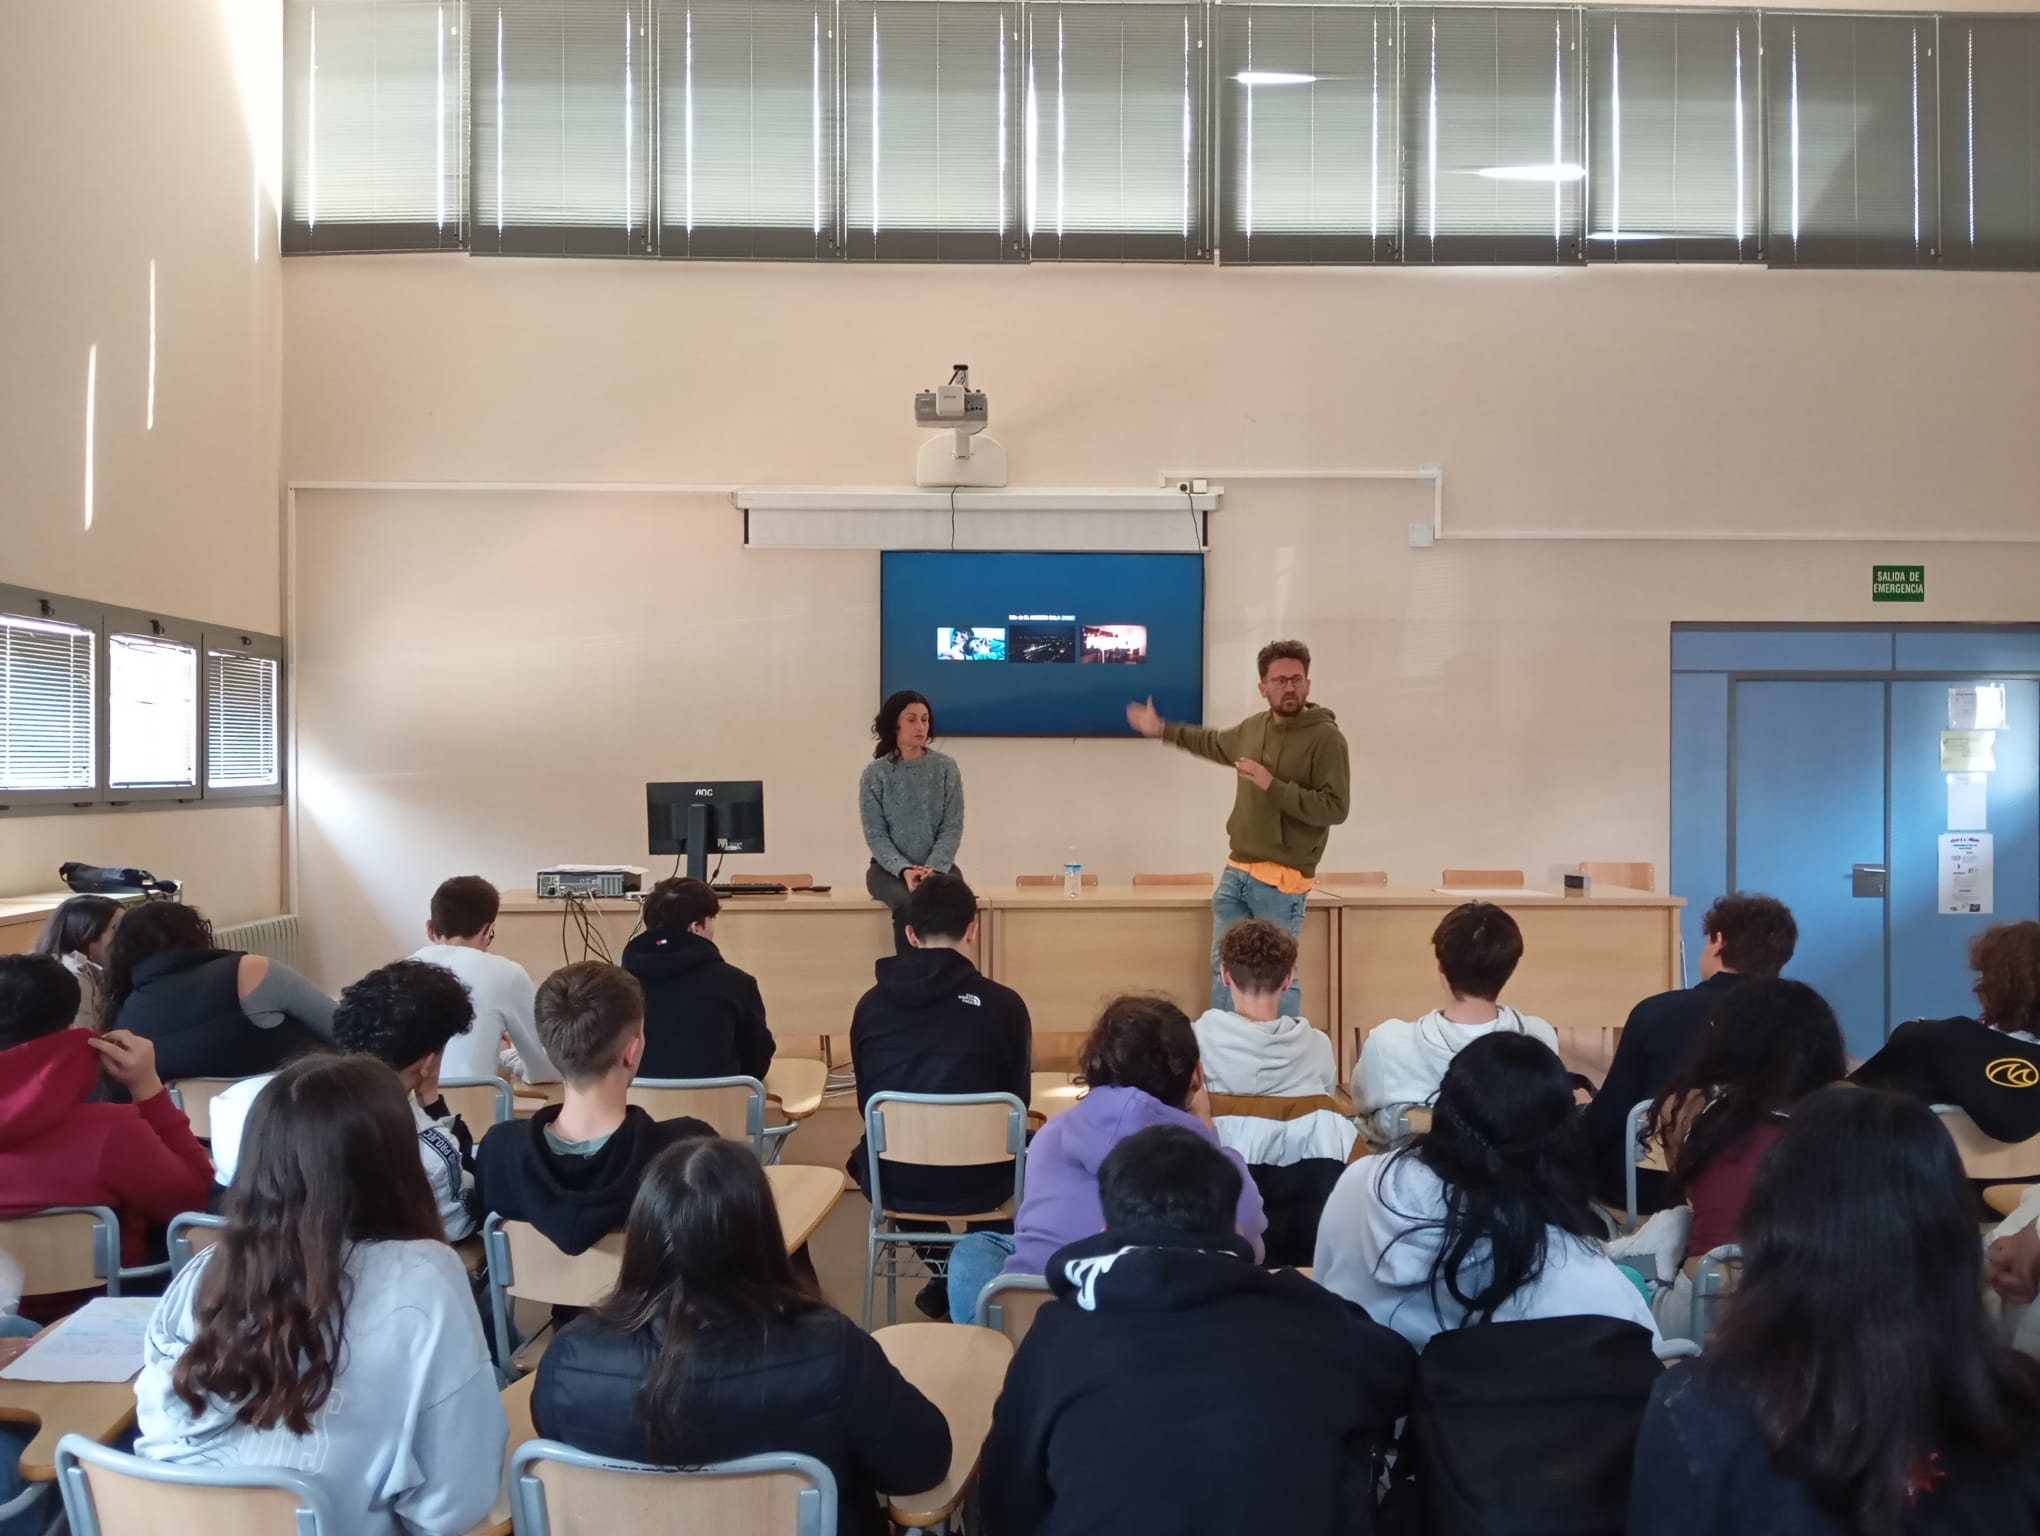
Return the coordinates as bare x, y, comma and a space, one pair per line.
1867, 879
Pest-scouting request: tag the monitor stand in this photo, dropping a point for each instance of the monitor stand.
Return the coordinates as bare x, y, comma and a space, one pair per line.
697, 841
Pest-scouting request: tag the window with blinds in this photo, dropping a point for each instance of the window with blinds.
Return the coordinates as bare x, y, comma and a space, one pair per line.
1990, 140
375, 148
46, 713
1672, 120
241, 721
1311, 170
1852, 122
1114, 128
1492, 120
151, 712
931, 117
747, 129
562, 111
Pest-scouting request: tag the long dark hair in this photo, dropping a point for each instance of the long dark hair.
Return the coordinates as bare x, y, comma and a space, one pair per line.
885, 726
703, 1245
1771, 1043
149, 929
329, 1158
1143, 1042
1505, 1139
1858, 1331
76, 925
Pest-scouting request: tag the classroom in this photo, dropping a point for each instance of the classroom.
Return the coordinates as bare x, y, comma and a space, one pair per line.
1343, 697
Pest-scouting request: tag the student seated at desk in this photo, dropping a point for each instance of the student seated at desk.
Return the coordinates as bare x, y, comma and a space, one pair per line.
703, 1016
458, 933
330, 1331
403, 1015
1174, 1385
80, 933
1985, 1065
1853, 1385
1478, 946
572, 1169
210, 1012
58, 1147
710, 1348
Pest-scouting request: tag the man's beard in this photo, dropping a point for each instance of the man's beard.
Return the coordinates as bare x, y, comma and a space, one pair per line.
1289, 708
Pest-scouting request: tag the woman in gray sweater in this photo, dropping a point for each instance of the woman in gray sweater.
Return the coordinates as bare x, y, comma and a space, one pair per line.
911, 802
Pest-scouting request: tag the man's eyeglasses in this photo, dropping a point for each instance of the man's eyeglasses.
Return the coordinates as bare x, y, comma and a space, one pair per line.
1295, 681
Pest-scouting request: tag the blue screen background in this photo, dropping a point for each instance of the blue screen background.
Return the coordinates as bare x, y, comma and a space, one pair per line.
921, 593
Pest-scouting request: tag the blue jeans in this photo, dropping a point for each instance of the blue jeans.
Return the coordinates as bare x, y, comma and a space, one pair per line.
973, 1264
1240, 895
14, 1440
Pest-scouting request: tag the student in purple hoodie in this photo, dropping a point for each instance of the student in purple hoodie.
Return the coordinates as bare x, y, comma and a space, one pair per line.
1139, 1064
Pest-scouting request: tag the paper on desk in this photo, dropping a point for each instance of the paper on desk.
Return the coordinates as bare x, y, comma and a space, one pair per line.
101, 1341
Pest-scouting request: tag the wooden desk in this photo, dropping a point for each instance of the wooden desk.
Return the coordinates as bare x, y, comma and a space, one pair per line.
960, 1370
99, 1410
804, 1194
22, 919
517, 1409
796, 1084
1052, 1093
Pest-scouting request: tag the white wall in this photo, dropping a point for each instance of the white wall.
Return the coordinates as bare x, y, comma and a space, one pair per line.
140, 132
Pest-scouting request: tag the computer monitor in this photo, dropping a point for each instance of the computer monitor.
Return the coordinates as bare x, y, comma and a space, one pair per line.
727, 815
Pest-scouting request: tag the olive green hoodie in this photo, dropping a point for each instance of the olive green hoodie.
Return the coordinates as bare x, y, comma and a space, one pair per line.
1290, 821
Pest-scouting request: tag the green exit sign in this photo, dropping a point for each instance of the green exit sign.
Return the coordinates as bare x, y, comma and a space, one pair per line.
1898, 583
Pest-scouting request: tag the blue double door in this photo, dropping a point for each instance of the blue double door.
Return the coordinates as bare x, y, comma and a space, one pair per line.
1837, 802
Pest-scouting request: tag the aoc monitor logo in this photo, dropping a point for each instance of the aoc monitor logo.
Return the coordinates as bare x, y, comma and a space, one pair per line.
2013, 1072
705, 792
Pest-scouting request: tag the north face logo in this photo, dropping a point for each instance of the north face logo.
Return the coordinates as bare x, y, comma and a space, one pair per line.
969, 997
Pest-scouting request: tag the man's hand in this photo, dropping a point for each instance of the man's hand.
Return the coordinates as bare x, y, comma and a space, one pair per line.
914, 874
2015, 1265
129, 1060
1145, 718
1254, 773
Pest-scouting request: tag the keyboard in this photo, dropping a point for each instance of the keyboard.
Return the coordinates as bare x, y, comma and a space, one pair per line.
749, 888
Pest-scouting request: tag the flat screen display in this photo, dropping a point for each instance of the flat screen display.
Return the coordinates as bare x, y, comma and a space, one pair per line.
1043, 645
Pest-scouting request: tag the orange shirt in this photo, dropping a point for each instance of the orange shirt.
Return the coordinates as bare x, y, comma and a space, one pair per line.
1288, 881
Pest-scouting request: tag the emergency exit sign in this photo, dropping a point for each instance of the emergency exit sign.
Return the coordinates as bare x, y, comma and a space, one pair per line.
1898, 583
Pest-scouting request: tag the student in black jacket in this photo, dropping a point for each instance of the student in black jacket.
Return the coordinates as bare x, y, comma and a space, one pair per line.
1988, 1066
573, 1169
1746, 936
703, 1016
710, 1349
1174, 1385
1854, 1386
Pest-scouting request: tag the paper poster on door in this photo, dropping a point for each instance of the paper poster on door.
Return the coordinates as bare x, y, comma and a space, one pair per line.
1968, 802
1977, 707
1968, 751
1966, 878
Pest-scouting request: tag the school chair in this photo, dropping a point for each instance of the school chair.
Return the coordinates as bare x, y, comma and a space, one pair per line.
555, 1488
65, 1248
1986, 1160
2005, 1198
1640, 1156
1719, 1272
734, 1106
941, 1131
1008, 1303
1359, 877
1627, 877
1481, 879
480, 1101
194, 1095
191, 1233
109, 1493
525, 1266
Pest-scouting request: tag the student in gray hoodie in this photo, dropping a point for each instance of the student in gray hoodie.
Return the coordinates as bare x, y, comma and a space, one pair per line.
330, 1332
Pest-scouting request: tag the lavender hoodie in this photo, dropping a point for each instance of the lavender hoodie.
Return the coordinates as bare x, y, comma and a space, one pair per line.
1061, 1202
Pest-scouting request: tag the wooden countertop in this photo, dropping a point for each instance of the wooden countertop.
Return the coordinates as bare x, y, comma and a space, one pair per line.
1010, 898
30, 909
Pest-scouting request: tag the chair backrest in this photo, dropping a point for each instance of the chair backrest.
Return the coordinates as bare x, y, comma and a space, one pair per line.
560, 1491
65, 1248
735, 1106
1009, 1303
1639, 1154
109, 1493
791, 882
1025, 881
524, 1264
194, 1095
1197, 878
1481, 879
1719, 1273
945, 1131
1983, 1158
1628, 877
480, 1101
1353, 877
191, 1234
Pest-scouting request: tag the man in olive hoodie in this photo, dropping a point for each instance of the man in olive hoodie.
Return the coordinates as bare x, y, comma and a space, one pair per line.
1295, 786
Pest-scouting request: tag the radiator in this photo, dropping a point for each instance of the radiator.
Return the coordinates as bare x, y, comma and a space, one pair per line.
275, 937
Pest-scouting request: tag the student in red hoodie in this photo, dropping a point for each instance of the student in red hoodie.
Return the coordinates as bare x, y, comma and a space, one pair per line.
57, 1147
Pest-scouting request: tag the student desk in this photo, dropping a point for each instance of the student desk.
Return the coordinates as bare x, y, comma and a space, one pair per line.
99, 1410
960, 1369
22, 918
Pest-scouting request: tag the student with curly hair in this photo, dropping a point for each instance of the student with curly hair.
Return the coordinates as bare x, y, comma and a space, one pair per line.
1988, 1065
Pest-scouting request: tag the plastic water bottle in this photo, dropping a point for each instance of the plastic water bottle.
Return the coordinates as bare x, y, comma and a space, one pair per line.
1073, 874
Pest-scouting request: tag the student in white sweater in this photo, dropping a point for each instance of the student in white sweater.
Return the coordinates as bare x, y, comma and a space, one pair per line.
1478, 946
460, 931
1255, 1049
329, 1332
1487, 1217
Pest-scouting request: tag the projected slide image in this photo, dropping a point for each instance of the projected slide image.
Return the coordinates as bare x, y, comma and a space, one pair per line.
970, 644
1126, 644
1042, 643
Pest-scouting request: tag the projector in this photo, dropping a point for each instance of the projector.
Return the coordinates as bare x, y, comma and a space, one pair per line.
599, 880
960, 457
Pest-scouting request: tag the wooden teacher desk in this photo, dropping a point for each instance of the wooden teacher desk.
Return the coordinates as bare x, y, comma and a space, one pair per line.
1366, 954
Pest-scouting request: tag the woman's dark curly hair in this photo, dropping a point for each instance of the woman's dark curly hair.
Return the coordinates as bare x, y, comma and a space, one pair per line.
885, 727
1141, 1042
2006, 960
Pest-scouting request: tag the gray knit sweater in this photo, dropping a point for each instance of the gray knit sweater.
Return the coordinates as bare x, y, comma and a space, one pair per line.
912, 811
